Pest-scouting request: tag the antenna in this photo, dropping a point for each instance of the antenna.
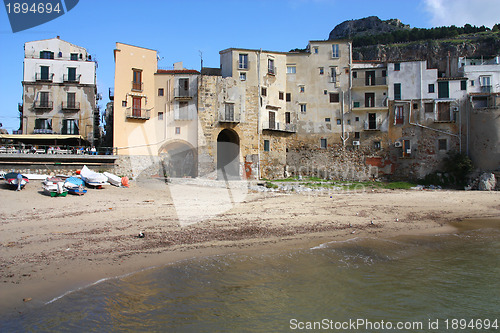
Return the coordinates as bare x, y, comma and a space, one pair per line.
201, 58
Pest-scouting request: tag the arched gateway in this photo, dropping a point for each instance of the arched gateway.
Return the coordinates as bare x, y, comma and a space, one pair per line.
228, 155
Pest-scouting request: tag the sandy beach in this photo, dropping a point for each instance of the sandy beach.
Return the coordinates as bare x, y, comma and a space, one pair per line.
50, 246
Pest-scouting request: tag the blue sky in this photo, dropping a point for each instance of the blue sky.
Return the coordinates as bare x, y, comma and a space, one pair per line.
179, 30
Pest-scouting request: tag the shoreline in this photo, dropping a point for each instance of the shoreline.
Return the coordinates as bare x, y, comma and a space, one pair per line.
48, 252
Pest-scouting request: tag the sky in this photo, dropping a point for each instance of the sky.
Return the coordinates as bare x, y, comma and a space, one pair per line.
190, 29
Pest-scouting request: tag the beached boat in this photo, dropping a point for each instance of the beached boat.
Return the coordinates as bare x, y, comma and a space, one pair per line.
54, 186
12, 179
75, 186
94, 179
113, 179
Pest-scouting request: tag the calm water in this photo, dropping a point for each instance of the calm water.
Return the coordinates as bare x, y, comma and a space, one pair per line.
403, 279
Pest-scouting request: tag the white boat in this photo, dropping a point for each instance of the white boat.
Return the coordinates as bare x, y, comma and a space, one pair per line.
113, 179
32, 176
92, 178
54, 187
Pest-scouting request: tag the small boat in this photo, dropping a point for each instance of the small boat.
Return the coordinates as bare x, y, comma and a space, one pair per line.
12, 179
75, 186
94, 179
54, 186
113, 179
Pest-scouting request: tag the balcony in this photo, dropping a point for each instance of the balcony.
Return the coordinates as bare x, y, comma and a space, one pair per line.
71, 78
70, 107
362, 106
271, 70
137, 86
486, 89
369, 82
140, 114
372, 125
44, 105
182, 94
43, 131
111, 94
44, 77
280, 127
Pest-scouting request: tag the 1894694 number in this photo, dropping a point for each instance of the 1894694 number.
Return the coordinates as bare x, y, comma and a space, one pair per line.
35, 8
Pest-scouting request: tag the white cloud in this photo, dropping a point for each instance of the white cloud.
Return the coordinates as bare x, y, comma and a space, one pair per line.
460, 12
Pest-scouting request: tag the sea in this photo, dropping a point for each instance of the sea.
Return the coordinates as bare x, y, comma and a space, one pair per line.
432, 283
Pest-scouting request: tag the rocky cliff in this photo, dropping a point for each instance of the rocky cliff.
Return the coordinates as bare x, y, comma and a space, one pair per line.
371, 25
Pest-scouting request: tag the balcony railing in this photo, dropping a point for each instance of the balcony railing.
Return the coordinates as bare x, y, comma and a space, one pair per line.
229, 117
486, 89
369, 82
182, 93
44, 77
136, 113
71, 78
70, 107
271, 70
281, 127
136, 86
243, 65
362, 105
43, 131
372, 125
48, 105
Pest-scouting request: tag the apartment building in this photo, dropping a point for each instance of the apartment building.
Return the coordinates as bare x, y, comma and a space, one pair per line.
59, 92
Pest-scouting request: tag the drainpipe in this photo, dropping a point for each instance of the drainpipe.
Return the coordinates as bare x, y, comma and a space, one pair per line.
258, 113
344, 138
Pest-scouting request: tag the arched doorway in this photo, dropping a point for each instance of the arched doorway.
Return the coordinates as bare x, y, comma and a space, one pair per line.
228, 155
178, 159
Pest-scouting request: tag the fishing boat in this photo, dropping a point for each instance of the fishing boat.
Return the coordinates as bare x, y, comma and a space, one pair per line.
75, 186
113, 179
13, 178
54, 186
94, 179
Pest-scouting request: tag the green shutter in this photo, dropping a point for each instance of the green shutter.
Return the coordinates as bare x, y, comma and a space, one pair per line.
443, 89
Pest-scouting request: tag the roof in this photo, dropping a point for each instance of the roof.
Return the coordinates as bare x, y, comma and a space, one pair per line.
177, 71
211, 71
251, 50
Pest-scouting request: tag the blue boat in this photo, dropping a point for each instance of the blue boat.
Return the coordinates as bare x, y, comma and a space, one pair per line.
75, 186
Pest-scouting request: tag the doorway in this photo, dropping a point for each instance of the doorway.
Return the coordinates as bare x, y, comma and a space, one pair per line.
228, 152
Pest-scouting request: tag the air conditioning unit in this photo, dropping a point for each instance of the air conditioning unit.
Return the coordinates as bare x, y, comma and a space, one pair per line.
398, 144
356, 143
408, 151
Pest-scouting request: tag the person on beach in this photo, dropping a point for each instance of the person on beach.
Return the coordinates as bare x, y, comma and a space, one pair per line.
19, 181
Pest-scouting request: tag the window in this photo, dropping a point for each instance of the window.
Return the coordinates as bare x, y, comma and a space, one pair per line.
71, 100
44, 99
315, 49
356, 135
177, 130
229, 112
369, 78
397, 91
291, 69
443, 89
443, 144
384, 73
124, 104
333, 74
399, 114
415, 106
263, 91
325, 92
270, 67
71, 74
397, 66
334, 97
183, 88
339, 121
321, 71
46, 55
243, 61
335, 51
472, 83
160, 115
302, 89
44, 73
69, 126
485, 82
443, 111
288, 97
287, 117
272, 120
356, 119
137, 80
243, 76
160, 91
327, 120
281, 95
348, 121
303, 108
372, 121
323, 143
463, 85
429, 108
354, 75
73, 56
266, 145
43, 124
369, 100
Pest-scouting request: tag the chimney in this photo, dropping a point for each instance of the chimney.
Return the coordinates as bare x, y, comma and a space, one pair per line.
58, 37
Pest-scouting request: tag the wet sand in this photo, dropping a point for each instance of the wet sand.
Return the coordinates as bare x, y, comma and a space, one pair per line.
52, 245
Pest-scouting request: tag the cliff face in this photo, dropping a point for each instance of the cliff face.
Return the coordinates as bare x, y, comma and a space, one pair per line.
371, 25
438, 53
